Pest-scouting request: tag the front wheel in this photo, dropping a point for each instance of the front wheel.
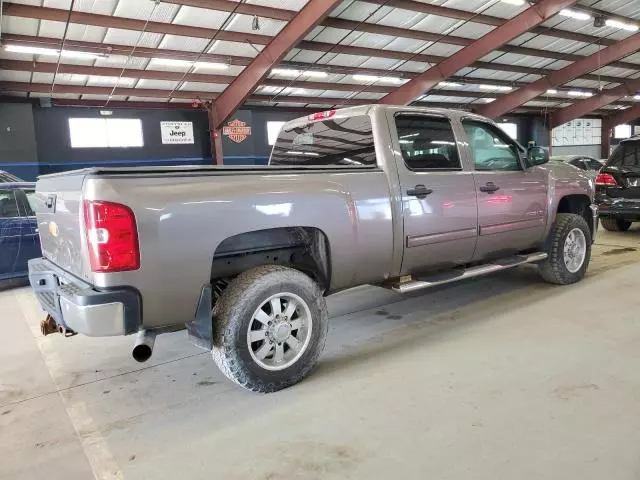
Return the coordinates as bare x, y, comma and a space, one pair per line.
270, 327
615, 224
569, 250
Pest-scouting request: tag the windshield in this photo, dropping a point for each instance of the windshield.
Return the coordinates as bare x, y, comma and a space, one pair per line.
346, 142
7, 177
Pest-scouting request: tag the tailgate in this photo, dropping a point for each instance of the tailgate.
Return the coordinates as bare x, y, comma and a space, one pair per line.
59, 211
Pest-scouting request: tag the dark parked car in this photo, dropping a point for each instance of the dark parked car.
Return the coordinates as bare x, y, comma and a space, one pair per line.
6, 177
19, 240
583, 162
618, 187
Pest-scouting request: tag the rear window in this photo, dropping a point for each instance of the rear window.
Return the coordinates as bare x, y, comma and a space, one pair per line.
627, 154
344, 142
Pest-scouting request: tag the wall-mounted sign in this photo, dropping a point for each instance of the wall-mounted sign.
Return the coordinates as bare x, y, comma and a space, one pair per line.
176, 132
236, 130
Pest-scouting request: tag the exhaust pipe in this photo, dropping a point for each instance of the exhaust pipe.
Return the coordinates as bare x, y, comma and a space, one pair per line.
143, 347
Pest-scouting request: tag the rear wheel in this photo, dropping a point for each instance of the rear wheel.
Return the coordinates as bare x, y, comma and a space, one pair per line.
615, 224
569, 250
270, 327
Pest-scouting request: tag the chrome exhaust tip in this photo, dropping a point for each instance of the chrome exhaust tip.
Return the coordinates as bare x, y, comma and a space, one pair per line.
143, 348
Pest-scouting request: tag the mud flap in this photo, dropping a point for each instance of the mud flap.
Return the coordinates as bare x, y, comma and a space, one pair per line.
200, 328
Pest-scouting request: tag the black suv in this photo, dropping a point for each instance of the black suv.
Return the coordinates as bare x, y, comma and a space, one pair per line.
618, 187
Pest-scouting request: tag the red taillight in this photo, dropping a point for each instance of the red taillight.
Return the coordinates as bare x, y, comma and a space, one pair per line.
322, 115
112, 236
606, 180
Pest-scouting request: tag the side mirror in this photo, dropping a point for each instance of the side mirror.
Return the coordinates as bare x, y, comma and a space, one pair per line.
537, 156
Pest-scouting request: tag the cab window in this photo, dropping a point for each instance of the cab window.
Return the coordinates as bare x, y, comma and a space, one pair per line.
491, 149
8, 204
427, 143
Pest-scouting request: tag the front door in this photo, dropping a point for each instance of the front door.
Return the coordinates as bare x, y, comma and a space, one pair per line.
512, 200
438, 194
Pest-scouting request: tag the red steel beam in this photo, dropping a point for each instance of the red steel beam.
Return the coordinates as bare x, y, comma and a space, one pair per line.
145, 52
235, 94
587, 64
518, 25
106, 21
588, 105
411, 5
468, 55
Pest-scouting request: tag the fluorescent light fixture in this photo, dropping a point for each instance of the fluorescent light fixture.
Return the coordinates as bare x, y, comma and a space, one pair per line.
501, 88
364, 78
50, 52
106, 113
441, 142
636, 97
630, 27
314, 74
579, 93
80, 55
211, 65
172, 62
406, 141
295, 152
489, 100
311, 154
566, 12
449, 84
552, 91
513, 2
287, 72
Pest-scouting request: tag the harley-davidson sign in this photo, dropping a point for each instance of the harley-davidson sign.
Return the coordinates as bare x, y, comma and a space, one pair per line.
236, 130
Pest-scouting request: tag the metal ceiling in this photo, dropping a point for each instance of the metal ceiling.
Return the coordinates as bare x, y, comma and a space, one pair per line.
143, 51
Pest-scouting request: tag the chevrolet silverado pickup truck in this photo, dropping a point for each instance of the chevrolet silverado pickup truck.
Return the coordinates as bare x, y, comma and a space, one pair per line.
243, 258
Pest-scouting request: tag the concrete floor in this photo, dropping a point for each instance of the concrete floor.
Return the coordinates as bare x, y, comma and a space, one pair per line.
500, 377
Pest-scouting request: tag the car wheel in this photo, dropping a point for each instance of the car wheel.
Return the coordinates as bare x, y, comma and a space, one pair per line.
569, 250
615, 224
270, 327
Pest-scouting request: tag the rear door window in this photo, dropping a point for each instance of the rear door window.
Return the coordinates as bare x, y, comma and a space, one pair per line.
8, 204
427, 143
631, 156
338, 142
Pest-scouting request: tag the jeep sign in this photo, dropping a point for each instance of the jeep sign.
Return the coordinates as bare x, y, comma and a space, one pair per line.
176, 132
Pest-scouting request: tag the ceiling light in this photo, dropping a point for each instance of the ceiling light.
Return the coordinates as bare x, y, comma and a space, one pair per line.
31, 50
286, 72
364, 78
631, 27
295, 152
636, 97
449, 84
81, 55
552, 91
565, 12
172, 62
106, 113
579, 93
314, 74
501, 88
212, 65
513, 2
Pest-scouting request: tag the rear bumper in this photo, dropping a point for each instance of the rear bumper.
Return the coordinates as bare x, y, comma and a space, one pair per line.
80, 307
625, 208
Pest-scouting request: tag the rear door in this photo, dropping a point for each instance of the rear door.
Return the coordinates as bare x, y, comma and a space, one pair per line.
10, 233
625, 167
512, 200
438, 195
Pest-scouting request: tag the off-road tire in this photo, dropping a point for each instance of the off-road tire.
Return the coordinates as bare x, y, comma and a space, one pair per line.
234, 310
615, 224
553, 269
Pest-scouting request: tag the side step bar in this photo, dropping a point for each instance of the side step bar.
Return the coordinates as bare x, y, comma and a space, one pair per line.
461, 274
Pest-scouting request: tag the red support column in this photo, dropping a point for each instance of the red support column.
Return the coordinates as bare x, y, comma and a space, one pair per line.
605, 141
215, 135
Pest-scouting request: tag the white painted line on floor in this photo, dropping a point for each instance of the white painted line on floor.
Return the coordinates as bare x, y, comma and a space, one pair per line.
103, 463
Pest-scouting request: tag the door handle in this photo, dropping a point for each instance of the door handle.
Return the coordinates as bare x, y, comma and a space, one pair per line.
489, 187
419, 191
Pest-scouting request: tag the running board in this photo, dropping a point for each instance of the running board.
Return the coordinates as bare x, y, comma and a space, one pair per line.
461, 274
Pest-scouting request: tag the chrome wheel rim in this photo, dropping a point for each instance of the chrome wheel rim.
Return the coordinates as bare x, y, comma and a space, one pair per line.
575, 250
279, 331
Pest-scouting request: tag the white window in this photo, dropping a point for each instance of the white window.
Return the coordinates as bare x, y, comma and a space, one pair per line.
622, 131
105, 132
510, 129
273, 129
